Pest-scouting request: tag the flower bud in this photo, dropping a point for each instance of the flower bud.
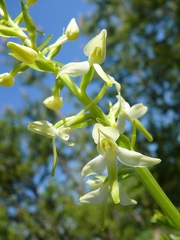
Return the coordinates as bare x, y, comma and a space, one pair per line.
53, 103
31, 2
72, 30
96, 48
23, 53
6, 80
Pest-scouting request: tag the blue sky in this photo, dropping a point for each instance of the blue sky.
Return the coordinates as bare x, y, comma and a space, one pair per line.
51, 17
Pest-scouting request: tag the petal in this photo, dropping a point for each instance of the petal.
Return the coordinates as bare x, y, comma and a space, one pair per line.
99, 132
96, 182
136, 111
135, 159
96, 41
63, 132
124, 199
108, 79
75, 69
44, 128
121, 124
124, 105
94, 197
95, 166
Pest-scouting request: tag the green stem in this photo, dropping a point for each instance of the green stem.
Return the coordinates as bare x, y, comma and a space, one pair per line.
156, 191
84, 98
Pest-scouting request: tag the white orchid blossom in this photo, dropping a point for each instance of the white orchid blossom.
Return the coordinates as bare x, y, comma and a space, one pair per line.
105, 138
46, 129
129, 113
100, 192
95, 50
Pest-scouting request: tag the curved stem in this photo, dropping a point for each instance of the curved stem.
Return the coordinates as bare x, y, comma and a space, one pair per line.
156, 191
84, 98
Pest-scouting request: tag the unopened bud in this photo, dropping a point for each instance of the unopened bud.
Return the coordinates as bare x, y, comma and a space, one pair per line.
72, 30
96, 48
23, 53
31, 2
53, 103
6, 80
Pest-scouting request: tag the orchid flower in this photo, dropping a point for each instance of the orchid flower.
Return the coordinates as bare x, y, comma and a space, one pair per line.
129, 113
105, 138
100, 192
99, 195
47, 129
95, 50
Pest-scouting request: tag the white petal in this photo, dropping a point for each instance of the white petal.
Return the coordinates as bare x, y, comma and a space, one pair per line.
96, 41
136, 111
75, 69
124, 105
63, 132
95, 166
94, 197
44, 128
99, 132
124, 199
135, 159
108, 79
121, 124
96, 182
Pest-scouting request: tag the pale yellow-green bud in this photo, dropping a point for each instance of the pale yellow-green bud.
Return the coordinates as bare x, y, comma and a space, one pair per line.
23, 53
96, 48
53, 103
6, 80
72, 30
31, 2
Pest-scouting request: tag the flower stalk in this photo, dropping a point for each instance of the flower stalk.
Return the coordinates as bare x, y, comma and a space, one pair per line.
158, 194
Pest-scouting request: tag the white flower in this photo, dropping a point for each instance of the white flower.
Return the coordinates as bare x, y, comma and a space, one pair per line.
105, 138
48, 130
96, 52
100, 192
129, 113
